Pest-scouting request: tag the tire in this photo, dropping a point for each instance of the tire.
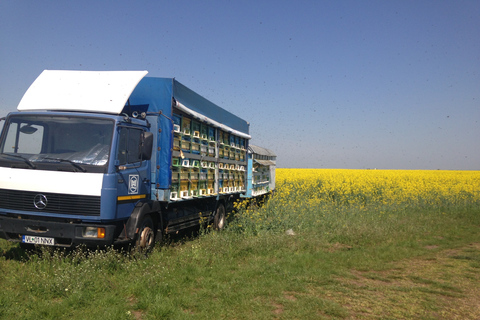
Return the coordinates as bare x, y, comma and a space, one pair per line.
220, 218
146, 235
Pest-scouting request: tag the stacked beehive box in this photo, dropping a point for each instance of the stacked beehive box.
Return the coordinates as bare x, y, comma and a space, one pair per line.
205, 160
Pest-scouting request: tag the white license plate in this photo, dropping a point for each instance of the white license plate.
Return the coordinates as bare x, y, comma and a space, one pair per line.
38, 240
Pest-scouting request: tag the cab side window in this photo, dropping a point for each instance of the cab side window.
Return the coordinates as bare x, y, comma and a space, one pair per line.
129, 145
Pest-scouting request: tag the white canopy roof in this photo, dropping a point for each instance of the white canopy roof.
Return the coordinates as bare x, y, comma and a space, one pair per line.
90, 91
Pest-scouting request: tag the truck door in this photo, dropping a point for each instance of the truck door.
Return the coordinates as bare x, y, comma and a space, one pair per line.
133, 174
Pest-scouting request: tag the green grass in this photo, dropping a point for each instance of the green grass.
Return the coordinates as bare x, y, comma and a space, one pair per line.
344, 262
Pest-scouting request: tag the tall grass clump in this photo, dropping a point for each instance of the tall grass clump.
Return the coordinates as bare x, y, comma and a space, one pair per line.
362, 207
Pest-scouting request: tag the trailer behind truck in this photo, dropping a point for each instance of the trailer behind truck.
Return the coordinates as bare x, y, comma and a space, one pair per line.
107, 157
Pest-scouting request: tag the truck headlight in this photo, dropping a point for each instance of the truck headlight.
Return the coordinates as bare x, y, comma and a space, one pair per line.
93, 232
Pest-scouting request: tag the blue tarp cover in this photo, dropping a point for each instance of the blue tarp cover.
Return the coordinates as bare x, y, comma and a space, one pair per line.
157, 93
194, 101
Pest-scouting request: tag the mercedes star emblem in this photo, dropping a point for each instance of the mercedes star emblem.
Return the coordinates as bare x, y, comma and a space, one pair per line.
40, 201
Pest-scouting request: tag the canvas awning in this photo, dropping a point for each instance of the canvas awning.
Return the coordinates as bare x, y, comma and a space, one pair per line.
212, 122
261, 151
265, 162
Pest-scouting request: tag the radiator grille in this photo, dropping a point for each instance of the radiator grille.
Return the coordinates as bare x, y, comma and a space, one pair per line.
56, 202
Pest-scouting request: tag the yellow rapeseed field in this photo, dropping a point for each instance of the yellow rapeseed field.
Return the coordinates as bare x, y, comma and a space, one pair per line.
379, 186
339, 198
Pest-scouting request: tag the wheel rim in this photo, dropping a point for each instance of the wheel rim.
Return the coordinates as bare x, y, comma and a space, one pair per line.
221, 221
220, 218
146, 238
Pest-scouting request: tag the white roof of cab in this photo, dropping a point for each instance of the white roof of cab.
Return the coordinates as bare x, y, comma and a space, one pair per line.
90, 91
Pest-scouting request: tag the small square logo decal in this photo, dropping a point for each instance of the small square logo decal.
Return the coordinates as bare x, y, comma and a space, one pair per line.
133, 184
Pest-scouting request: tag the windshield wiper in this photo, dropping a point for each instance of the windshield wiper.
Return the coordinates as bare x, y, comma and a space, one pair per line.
76, 165
30, 163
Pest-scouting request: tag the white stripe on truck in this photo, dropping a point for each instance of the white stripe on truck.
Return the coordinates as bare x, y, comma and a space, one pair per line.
81, 183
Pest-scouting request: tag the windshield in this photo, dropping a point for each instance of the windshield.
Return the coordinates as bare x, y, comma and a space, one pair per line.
67, 141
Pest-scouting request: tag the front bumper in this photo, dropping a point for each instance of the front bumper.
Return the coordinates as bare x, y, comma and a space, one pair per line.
66, 234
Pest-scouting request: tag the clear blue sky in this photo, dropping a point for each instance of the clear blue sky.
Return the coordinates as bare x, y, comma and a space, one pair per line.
324, 84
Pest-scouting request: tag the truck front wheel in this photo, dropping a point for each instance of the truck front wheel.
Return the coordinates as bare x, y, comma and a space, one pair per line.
219, 218
146, 235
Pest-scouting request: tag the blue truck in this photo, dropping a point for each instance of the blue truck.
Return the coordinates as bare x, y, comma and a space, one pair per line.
115, 157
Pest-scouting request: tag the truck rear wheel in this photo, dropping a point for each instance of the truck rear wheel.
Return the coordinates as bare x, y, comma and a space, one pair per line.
219, 218
146, 235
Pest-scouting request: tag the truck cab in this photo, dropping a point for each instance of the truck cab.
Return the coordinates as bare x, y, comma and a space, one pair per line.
64, 174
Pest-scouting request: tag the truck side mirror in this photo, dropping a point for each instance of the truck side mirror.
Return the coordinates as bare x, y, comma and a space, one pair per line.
147, 144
